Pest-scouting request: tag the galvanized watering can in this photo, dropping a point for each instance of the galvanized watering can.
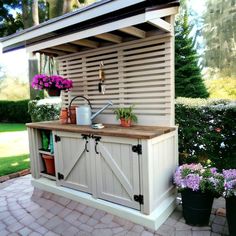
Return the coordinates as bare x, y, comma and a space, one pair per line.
84, 114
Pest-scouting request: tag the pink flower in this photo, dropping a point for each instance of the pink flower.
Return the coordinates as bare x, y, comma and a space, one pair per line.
42, 81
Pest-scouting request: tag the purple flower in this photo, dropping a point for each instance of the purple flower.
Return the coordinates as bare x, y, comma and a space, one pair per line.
193, 182
42, 81
198, 178
230, 182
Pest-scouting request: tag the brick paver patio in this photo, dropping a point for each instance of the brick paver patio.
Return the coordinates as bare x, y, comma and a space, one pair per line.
24, 211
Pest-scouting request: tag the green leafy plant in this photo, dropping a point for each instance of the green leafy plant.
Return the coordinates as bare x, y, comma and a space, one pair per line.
126, 113
41, 110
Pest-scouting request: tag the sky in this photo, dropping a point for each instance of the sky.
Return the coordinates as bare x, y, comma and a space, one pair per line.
16, 64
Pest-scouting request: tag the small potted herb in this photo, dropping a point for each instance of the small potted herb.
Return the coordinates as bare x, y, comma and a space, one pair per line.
126, 116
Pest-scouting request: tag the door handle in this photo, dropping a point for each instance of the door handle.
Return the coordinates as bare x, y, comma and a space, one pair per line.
86, 146
96, 148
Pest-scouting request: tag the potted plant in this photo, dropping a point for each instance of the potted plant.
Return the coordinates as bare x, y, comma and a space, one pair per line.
126, 116
230, 198
53, 84
198, 186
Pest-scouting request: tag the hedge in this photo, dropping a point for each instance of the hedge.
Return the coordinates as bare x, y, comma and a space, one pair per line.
14, 111
207, 131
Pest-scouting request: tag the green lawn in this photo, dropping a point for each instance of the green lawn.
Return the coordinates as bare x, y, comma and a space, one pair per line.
13, 164
11, 127
14, 150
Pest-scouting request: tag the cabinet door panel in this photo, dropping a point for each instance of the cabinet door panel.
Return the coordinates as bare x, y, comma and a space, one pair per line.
118, 171
74, 162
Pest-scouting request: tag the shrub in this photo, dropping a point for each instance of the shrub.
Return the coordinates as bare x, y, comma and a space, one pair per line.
44, 109
14, 111
207, 131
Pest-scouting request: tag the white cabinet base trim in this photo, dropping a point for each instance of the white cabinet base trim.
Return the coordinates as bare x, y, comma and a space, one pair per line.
152, 221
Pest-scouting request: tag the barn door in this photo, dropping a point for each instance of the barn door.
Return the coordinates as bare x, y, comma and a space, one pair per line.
117, 171
73, 162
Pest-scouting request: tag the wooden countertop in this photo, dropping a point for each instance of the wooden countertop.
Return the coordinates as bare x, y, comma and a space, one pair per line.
136, 131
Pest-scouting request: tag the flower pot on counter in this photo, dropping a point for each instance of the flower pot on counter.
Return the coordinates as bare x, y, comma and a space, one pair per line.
49, 164
231, 214
125, 123
53, 92
196, 207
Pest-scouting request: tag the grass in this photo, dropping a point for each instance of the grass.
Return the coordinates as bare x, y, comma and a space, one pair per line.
12, 164
13, 148
12, 127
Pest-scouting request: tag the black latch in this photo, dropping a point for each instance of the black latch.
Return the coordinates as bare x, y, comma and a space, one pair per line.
57, 138
60, 176
97, 138
137, 148
138, 198
85, 136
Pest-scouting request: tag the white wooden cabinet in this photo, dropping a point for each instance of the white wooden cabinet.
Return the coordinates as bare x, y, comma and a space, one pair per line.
129, 170
105, 167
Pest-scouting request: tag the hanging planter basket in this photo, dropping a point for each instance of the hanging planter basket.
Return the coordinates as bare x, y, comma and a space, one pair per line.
53, 92
231, 214
196, 207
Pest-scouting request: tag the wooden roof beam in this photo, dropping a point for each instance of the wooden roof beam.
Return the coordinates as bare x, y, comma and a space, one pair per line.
134, 31
161, 24
86, 43
109, 37
66, 48
52, 51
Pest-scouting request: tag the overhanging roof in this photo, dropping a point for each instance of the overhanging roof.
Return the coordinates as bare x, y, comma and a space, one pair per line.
73, 31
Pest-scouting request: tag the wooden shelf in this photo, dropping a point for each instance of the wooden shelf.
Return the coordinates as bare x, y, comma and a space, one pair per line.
48, 176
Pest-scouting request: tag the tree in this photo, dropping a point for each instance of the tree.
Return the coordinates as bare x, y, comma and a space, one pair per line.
188, 79
220, 36
9, 24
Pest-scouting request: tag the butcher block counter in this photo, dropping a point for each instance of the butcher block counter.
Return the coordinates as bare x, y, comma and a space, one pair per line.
136, 131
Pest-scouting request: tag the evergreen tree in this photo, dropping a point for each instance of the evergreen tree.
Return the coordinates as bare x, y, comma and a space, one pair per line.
188, 79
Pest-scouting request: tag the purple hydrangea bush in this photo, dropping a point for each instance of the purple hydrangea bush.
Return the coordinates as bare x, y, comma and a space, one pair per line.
199, 178
42, 81
229, 182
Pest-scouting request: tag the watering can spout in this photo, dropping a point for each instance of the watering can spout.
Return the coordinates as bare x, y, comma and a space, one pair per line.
101, 110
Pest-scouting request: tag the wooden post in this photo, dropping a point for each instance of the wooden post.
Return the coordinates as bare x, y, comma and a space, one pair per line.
33, 70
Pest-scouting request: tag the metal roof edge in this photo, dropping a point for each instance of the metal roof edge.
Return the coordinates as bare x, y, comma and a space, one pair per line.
65, 16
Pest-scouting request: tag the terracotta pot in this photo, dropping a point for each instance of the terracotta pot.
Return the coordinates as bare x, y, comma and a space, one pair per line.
72, 115
64, 116
53, 92
125, 123
49, 164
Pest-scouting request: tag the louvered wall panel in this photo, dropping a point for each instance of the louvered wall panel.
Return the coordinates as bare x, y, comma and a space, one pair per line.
137, 72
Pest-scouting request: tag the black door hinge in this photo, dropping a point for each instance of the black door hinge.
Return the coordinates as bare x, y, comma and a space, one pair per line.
139, 198
57, 138
60, 176
137, 148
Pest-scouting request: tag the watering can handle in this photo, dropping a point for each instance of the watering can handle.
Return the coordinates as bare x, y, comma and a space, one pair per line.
69, 114
80, 97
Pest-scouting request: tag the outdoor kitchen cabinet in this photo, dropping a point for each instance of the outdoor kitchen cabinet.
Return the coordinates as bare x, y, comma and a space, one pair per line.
105, 167
129, 167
